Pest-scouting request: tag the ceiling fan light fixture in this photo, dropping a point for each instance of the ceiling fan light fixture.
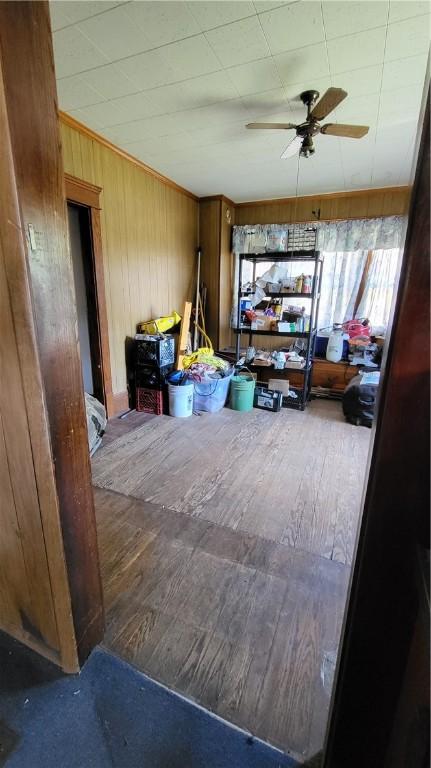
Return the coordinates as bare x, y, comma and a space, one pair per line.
307, 147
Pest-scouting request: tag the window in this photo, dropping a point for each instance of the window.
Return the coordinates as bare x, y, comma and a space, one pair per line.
358, 284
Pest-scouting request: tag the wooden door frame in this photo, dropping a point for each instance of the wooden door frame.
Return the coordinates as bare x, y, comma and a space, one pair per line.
84, 194
383, 602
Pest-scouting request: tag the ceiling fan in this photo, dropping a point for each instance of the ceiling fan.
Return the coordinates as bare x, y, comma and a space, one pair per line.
305, 131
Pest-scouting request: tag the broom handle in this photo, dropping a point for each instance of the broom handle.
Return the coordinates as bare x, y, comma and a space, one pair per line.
195, 334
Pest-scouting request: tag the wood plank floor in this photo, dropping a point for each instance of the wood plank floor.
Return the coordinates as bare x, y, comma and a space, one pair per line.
229, 586
293, 478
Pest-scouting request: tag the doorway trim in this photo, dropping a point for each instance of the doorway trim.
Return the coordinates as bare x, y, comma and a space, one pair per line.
87, 195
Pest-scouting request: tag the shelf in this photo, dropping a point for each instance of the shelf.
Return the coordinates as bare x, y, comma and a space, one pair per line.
244, 295
291, 334
281, 256
276, 371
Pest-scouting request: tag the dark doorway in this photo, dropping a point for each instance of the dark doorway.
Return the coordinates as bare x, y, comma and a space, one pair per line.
86, 298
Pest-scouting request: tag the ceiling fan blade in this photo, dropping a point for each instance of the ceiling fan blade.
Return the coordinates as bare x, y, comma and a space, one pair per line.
283, 126
292, 148
350, 131
331, 99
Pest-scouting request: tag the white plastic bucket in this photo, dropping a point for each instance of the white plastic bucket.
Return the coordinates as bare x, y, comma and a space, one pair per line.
180, 400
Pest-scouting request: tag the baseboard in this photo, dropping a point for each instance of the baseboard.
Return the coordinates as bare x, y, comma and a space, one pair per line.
120, 402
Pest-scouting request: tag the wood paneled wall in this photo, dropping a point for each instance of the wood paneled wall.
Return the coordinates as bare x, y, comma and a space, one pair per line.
209, 239
366, 203
226, 272
215, 232
149, 235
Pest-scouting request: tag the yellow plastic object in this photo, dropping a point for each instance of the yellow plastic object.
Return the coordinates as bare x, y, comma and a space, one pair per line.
161, 325
204, 355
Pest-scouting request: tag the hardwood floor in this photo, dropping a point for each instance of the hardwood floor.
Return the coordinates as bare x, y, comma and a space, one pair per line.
245, 625
291, 477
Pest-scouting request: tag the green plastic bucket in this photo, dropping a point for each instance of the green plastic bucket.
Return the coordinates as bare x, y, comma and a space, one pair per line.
242, 391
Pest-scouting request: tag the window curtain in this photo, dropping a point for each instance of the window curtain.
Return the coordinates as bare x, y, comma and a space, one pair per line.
341, 278
344, 246
379, 287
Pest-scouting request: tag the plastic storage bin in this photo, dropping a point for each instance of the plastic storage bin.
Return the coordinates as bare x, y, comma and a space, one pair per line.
211, 395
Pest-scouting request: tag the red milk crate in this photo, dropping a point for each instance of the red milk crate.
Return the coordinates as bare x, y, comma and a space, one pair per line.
149, 400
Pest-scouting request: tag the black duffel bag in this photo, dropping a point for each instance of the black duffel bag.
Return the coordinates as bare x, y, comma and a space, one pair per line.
359, 401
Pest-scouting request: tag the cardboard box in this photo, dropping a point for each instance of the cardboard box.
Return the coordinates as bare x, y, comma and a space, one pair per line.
264, 322
280, 385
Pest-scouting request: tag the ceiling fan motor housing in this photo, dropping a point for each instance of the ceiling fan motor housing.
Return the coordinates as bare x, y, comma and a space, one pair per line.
309, 98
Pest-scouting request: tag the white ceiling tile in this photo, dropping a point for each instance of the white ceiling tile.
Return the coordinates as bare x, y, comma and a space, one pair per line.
74, 53
357, 177
161, 125
59, 17
109, 81
360, 82
148, 70
214, 14
405, 9
345, 18
293, 92
293, 26
356, 51
239, 42
208, 89
65, 12
254, 77
404, 72
74, 92
304, 64
217, 133
105, 114
384, 174
406, 171
160, 144
397, 137
190, 58
267, 103
270, 5
115, 34
206, 117
87, 119
408, 38
314, 172
361, 110
163, 22
400, 105
357, 156
134, 107
167, 98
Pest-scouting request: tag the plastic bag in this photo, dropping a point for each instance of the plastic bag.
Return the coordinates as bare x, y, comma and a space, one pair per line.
161, 324
96, 422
